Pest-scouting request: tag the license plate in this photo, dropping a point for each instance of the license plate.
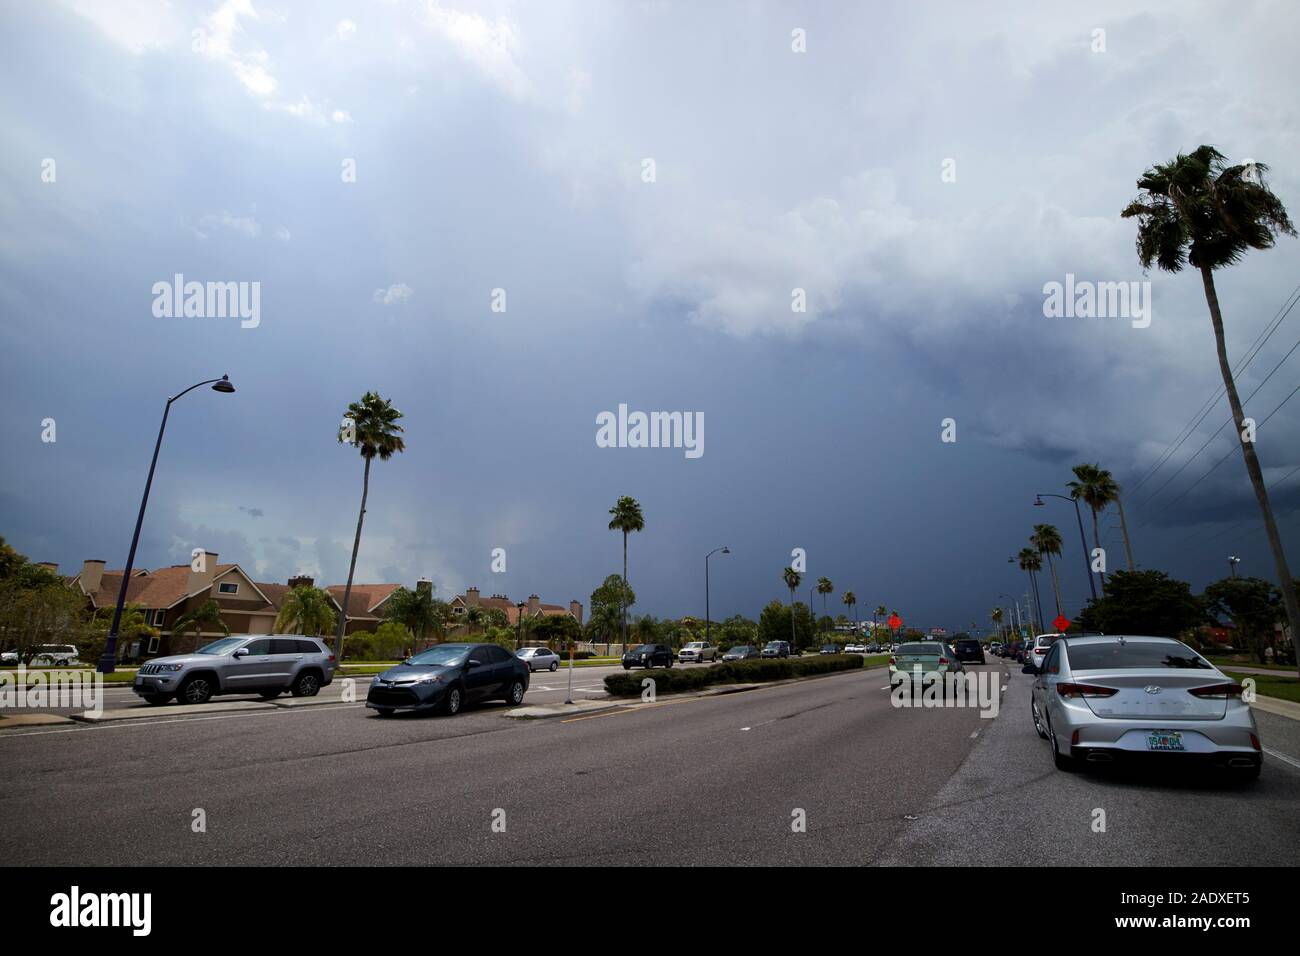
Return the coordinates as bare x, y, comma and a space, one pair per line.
1165, 740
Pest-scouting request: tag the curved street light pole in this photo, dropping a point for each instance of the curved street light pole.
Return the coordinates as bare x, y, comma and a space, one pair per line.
1087, 566
724, 550
108, 660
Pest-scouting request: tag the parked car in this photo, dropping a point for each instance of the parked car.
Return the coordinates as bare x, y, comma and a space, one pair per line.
777, 649
697, 651
742, 652
446, 677
874, 648
1111, 699
855, 649
262, 664
829, 649
648, 655
54, 655
995, 647
8, 657
919, 658
539, 658
1036, 651
969, 650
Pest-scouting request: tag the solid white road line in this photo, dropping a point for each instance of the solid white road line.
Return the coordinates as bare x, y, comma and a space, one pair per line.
1283, 757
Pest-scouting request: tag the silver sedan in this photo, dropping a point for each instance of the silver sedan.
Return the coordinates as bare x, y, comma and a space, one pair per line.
539, 658
1111, 699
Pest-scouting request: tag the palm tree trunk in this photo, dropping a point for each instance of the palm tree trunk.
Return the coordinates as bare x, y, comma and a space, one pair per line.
622, 598
792, 639
1056, 584
1123, 527
352, 567
1285, 582
1096, 543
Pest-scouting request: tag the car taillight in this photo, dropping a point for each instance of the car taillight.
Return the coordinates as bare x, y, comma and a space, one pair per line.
1254, 742
1068, 690
943, 660
1216, 691
331, 658
893, 661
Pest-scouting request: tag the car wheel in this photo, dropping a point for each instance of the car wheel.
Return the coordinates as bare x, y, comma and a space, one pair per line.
269, 694
670, 662
157, 699
60, 663
451, 704
195, 690
384, 711
1038, 723
555, 666
627, 667
1062, 762
516, 693
307, 685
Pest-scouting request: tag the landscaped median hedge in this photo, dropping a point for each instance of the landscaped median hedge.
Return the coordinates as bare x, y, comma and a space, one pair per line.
673, 680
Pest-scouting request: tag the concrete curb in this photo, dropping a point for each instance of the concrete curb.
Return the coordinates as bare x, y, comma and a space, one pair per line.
14, 721
1275, 705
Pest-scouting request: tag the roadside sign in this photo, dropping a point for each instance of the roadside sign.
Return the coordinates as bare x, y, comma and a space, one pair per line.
895, 621
1062, 623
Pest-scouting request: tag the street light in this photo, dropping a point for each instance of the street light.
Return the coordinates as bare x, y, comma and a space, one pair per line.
724, 550
519, 627
1233, 561
108, 660
1078, 516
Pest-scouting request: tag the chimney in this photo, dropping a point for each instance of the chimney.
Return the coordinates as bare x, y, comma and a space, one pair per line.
575, 608
471, 597
201, 581
92, 573
424, 586
534, 605
51, 566
301, 580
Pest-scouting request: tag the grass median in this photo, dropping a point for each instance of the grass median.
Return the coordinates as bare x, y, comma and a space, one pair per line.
670, 680
1267, 685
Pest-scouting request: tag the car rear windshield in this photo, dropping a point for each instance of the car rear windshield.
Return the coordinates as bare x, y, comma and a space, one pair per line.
969, 645
921, 650
1134, 654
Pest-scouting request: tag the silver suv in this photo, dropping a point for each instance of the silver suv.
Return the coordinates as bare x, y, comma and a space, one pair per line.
262, 664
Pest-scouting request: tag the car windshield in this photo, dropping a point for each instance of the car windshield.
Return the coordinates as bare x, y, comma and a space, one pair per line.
968, 645
223, 646
921, 650
644, 649
742, 649
773, 645
1134, 654
696, 644
448, 655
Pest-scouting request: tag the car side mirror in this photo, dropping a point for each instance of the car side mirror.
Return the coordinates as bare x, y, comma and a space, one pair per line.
474, 663
1029, 669
241, 652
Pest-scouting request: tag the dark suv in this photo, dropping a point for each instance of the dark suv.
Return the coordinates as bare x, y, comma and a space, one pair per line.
648, 655
971, 651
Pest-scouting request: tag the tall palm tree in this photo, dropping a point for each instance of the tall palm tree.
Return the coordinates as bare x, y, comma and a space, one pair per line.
1031, 563
305, 610
373, 429
1047, 540
996, 618
418, 611
877, 615
1198, 210
792, 579
1111, 492
626, 517
1090, 486
207, 614
851, 602
824, 587
474, 619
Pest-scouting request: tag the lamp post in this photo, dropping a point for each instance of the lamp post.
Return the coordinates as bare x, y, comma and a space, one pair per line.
724, 550
1233, 561
1078, 516
519, 627
108, 660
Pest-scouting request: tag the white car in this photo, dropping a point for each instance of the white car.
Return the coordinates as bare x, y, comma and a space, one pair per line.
855, 649
1042, 644
9, 657
539, 658
54, 655
697, 651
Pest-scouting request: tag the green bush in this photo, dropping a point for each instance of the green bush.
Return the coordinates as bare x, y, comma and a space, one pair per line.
674, 680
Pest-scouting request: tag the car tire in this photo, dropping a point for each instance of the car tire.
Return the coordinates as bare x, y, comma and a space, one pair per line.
670, 662
627, 667
307, 684
269, 694
1062, 762
157, 699
555, 666
195, 690
453, 702
1038, 724
384, 711
515, 695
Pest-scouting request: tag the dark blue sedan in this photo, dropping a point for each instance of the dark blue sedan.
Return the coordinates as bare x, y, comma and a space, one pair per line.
449, 676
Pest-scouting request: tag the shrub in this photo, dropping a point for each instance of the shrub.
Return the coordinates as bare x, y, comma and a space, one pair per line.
672, 680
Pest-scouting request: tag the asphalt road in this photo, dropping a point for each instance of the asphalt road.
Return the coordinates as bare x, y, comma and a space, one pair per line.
693, 781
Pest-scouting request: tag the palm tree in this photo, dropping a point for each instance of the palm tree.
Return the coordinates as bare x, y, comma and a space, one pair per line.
418, 611
851, 602
792, 579
373, 429
305, 610
1090, 486
824, 587
1200, 211
1031, 563
1110, 491
996, 618
1048, 542
626, 518
474, 619
207, 614
877, 614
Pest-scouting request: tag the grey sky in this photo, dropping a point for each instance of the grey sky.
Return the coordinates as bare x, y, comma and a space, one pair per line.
501, 146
